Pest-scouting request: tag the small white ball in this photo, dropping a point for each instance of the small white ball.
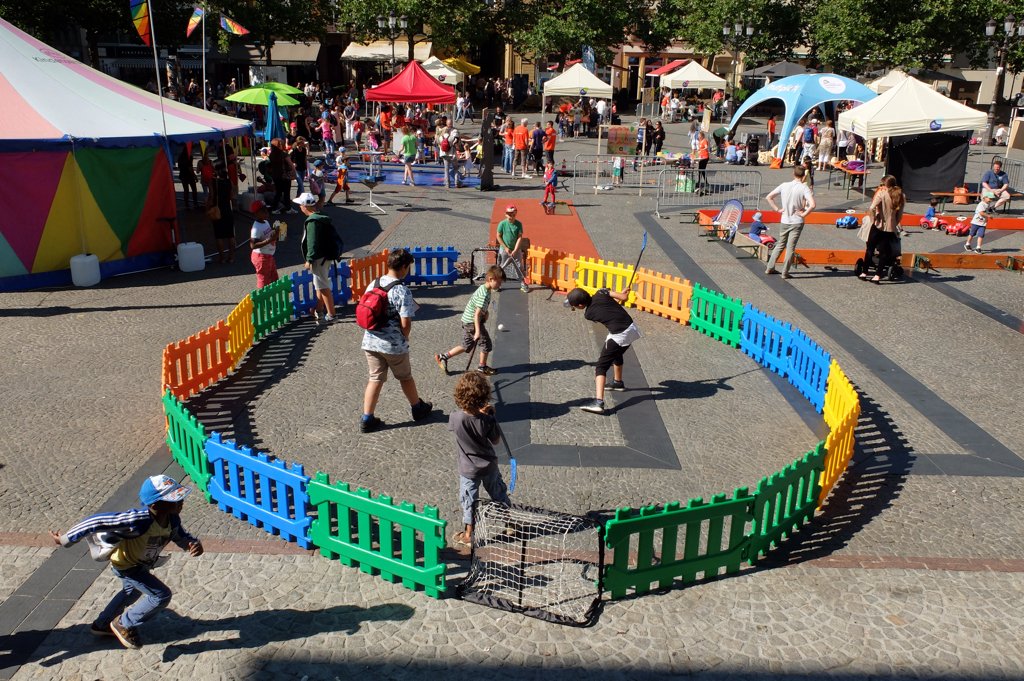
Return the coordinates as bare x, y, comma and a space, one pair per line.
501, 327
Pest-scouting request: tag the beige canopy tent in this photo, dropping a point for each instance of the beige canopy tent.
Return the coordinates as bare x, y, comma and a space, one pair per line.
692, 76
444, 73
910, 108
887, 82
381, 50
576, 82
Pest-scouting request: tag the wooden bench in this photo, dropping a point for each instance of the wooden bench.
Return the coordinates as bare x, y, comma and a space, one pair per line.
943, 197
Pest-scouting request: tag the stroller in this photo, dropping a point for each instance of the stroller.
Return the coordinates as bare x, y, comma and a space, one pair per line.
895, 270
753, 146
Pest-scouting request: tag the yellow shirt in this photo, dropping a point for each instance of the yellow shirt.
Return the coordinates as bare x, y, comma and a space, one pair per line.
141, 550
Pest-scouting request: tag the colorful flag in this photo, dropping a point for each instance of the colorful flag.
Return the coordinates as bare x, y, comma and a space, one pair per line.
197, 16
140, 17
232, 26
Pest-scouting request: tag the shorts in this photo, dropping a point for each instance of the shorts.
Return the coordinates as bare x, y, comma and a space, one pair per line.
468, 331
611, 354
343, 184
976, 230
616, 172
321, 270
380, 362
410, 159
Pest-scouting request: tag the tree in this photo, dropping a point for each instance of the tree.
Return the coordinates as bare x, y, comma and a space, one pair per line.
271, 20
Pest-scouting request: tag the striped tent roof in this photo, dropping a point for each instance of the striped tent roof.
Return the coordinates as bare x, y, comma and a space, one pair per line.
49, 100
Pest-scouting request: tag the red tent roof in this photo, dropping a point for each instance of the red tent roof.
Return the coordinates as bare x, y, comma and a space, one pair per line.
413, 84
668, 68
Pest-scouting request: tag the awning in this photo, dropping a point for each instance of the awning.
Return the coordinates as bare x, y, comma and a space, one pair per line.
460, 64
380, 50
668, 68
281, 52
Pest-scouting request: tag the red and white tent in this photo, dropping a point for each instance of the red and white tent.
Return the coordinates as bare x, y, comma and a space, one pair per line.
412, 85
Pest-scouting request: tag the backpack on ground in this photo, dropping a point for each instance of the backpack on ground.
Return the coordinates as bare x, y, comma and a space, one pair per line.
372, 308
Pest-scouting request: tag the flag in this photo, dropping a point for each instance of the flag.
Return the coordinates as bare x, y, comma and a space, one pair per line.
197, 16
232, 26
140, 17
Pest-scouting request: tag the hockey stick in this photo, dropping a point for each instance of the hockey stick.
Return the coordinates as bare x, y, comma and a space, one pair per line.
643, 247
512, 460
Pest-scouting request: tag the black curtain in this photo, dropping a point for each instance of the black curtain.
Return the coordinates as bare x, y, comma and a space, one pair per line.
933, 162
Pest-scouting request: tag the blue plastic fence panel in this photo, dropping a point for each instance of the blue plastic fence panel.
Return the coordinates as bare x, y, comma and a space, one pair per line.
340, 288
303, 293
808, 368
433, 265
766, 339
263, 491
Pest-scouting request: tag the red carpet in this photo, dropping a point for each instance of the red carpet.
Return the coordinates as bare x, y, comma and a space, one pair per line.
557, 232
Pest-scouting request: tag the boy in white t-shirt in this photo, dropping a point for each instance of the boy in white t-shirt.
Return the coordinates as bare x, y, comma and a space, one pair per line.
263, 241
979, 222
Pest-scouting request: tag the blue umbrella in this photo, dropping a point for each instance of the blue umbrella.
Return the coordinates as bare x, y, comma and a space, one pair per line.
274, 127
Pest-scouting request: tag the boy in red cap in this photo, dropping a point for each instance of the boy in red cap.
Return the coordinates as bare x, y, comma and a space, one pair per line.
510, 244
133, 540
263, 241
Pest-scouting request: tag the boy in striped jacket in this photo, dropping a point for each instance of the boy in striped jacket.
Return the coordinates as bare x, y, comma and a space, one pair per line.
133, 540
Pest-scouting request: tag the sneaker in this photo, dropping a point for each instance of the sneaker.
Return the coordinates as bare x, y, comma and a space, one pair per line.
350, 200
421, 410
328, 319
979, 251
99, 629
967, 246
594, 407
442, 362
617, 386
129, 638
370, 425
524, 288
486, 370
771, 271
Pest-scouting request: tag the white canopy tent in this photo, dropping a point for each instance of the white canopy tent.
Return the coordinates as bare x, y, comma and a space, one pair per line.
692, 76
576, 82
887, 82
444, 73
910, 108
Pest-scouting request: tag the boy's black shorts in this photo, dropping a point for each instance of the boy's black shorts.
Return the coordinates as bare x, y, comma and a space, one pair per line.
468, 331
611, 354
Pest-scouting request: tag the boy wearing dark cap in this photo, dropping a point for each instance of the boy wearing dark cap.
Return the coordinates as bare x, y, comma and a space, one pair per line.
605, 307
133, 541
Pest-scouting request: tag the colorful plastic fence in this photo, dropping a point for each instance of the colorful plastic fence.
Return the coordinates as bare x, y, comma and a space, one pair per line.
266, 492
394, 541
431, 266
186, 438
765, 339
402, 544
716, 315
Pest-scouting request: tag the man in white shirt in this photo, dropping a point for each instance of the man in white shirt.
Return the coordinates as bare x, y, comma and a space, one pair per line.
602, 109
797, 202
460, 109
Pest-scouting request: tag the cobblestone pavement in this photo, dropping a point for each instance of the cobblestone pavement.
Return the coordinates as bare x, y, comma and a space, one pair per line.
873, 596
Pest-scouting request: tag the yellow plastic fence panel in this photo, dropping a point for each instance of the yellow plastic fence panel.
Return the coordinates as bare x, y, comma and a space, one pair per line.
842, 412
365, 270
550, 268
240, 330
663, 295
839, 396
592, 275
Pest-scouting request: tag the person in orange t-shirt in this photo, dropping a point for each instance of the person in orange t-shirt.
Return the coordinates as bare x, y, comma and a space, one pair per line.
703, 155
520, 142
550, 135
508, 153
385, 125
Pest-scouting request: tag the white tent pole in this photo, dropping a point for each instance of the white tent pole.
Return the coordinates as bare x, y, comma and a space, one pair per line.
156, 67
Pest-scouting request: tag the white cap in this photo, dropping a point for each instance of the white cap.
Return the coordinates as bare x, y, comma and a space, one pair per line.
306, 199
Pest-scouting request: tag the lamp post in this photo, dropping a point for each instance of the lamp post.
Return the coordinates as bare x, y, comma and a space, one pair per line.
1010, 27
737, 35
390, 22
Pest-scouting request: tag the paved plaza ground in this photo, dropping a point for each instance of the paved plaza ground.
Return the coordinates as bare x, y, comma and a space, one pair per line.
914, 569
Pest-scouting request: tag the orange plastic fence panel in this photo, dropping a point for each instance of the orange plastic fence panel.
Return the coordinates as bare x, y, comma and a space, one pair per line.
240, 330
365, 270
198, 361
663, 295
551, 268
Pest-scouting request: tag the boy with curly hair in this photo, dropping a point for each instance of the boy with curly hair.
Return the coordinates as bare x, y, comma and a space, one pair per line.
476, 432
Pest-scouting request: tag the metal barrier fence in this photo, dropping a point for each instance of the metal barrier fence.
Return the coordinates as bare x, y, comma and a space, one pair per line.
594, 172
679, 188
1014, 170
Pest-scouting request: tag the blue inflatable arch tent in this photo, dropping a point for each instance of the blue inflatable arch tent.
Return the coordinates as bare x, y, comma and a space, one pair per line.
799, 94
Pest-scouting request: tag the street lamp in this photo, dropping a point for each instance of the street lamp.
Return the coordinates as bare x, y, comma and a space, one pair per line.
390, 22
1010, 27
737, 35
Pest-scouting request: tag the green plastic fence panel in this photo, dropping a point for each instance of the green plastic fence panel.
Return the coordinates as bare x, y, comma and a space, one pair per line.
361, 531
632, 535
271, 308
717, 315
786, 500
186, 438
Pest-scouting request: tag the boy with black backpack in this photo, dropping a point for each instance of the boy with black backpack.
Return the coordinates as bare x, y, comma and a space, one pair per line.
321, 247
385, 312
